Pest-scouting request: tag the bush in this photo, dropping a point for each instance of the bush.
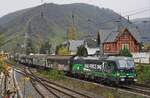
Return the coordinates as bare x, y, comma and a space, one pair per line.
143, 74
82, 51
62, 50
125, 52
1, 66
53, 74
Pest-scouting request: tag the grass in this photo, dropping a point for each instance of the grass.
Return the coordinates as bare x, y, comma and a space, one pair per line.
52, 74
143, 74
89, 88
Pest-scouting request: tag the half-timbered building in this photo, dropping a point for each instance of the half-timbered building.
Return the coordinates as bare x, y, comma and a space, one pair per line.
114, 41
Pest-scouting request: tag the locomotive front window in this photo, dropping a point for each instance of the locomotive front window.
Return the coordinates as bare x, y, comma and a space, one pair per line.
78, 61
126, 63
130, 63
122, 64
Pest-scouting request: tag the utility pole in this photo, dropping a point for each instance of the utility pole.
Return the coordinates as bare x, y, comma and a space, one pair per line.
25, 42
119, 23
129, 19
73, 18
42, 14
100, 45
89, 21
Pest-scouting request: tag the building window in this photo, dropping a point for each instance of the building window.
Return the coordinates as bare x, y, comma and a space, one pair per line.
125, 46
126, 36
107, 47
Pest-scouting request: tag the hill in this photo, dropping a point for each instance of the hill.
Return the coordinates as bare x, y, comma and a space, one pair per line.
143, 24
51, 21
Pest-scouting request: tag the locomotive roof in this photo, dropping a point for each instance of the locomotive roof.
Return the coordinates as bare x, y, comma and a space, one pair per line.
58, 57
33, 56
87, 58
113, 58
119, 58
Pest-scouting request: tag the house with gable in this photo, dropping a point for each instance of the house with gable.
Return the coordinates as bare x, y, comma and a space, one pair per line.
90, 44
73, 45
114, 41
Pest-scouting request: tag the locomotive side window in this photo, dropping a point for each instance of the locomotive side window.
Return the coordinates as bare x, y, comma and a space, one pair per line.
109, 66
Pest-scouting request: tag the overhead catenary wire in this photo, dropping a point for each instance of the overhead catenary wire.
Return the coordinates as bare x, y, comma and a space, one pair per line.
135, 13
138, 12
139, 9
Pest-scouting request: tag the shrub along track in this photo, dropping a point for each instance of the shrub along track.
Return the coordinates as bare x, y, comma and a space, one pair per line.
134, 89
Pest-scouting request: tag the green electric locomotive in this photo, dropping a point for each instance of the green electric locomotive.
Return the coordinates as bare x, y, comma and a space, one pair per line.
111, 70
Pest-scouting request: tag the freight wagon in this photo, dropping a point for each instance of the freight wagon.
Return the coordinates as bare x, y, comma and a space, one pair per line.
110, 70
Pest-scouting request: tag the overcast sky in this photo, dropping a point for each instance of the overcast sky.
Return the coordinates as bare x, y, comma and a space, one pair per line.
124, 7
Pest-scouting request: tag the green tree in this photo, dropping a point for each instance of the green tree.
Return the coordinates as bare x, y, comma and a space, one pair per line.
1, 66
98, 39
29, 47
2, 40
148, 48
82, 51
141, 46
57, 49
125, 52
46, 48
62, 50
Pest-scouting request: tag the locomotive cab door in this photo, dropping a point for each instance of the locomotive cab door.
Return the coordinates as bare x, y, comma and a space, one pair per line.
110, 70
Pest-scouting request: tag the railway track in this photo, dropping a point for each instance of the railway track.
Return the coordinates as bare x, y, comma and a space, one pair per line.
134, 89
33, 84
57, 90
138, 89
64, 90
36, 83
15, 84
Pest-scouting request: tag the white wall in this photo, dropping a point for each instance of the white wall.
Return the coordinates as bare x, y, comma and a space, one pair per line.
141, 57
92, 51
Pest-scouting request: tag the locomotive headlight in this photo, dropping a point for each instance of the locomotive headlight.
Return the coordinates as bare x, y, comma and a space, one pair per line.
122, 79
135, 80
118, 74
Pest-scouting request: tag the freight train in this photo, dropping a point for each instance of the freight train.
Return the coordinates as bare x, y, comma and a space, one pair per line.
110, 70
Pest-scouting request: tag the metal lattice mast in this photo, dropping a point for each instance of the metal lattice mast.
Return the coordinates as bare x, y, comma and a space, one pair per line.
71, 33
119, 23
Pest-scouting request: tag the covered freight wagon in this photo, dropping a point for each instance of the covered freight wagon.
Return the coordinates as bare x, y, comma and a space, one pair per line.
59, 62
